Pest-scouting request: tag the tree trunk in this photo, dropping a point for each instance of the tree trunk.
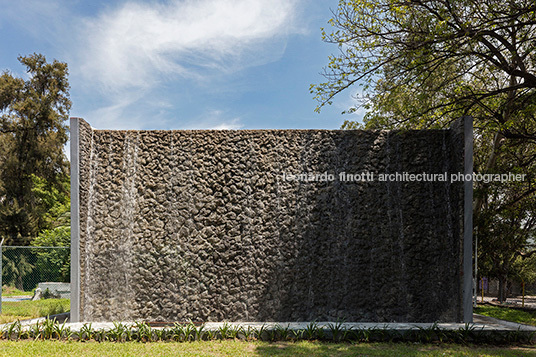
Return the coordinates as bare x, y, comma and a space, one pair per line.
502, 287
19, 283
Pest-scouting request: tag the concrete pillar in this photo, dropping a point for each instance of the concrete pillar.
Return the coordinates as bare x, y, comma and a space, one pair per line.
75, 221
468, 222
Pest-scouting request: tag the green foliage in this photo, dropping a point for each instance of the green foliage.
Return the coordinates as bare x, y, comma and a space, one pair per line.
54, 204
57, 237
422, 64
142, 332
15, 269
423, 52
53, 264
32, 136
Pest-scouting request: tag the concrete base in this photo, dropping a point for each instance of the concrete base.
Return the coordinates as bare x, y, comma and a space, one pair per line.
61, 290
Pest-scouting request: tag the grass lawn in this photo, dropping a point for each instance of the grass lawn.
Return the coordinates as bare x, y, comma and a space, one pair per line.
11, 291
508, 314
242, 348
23, 310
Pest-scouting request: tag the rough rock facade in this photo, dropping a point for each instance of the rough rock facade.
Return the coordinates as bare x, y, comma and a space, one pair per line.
211, 226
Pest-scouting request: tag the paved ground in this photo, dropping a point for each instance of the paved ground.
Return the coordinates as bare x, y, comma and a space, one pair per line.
16, 298
530, 301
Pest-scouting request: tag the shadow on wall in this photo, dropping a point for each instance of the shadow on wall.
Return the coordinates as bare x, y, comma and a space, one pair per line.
368, 251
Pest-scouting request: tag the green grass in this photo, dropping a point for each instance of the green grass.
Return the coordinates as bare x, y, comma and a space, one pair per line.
256, 348
11, 291
508, 314
23, 310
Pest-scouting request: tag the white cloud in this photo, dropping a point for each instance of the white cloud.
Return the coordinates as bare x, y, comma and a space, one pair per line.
232, 124
137, 45
215, 120
351, 100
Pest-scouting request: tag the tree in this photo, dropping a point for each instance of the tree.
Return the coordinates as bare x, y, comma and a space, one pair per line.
53, 203
16, 268
423, 63
445, 54
53, 264
32, 136
506, 225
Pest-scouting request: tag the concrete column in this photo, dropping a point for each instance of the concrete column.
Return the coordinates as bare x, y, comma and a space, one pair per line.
75, 221
468, 222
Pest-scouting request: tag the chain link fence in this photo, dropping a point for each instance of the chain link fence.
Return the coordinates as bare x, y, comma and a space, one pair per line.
24, 267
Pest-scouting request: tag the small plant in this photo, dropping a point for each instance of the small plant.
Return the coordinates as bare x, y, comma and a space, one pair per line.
465, 333
248, 333
35, 331
86, 333
282, 332
441, 335
259, 332
128, 333
48, 328
118, 332
13, 330
348, 334
189, 332
177, 332
209, 335
426, 334
365, 334
336, 330
224, 331
272, 334
62, 331
160, 334
198, 332
233, 332
311, 331
298, 334
144, 332
530, 337
101, 335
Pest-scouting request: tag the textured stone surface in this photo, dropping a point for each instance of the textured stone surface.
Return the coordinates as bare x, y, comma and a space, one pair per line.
200, 225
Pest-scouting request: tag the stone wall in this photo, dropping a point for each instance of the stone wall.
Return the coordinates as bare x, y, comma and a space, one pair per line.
202, 225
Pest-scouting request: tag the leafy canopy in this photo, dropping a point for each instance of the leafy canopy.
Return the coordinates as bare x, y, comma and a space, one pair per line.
449, 57
424, 63
32, 135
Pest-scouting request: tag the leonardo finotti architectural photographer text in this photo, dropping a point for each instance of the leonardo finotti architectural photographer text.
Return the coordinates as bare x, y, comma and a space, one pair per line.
367, 176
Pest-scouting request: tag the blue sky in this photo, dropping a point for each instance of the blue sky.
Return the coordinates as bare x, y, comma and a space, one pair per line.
183, 64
